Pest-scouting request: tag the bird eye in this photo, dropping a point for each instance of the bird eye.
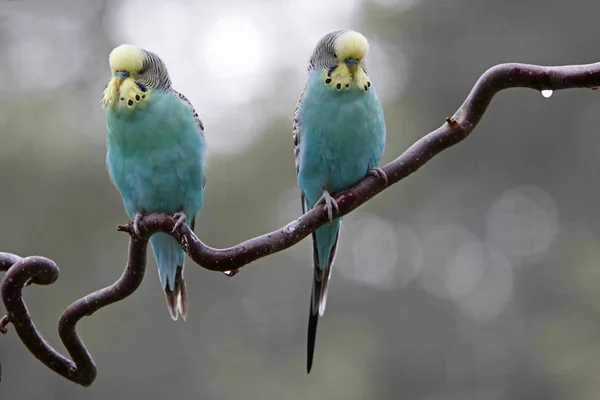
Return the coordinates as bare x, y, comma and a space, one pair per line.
334, 54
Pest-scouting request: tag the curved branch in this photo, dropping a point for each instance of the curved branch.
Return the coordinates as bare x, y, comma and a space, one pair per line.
43, 271
453, 131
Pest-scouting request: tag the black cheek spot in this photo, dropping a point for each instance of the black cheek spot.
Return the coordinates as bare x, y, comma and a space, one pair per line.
122, 98
130, 102
338, 86
143, 96
366, 88
347, 85
328, 81
368, 84
137, 97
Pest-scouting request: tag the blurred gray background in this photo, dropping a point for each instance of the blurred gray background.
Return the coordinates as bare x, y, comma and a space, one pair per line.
478, 277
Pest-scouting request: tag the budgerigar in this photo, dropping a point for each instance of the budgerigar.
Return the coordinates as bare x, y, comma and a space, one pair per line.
155, 155
339, 137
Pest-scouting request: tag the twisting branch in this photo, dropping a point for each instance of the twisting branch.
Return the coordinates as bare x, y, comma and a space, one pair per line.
40, 270
454, 130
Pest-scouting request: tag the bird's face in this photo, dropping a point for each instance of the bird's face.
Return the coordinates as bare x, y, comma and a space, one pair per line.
341, 54
134, 72
351, 48
126, 61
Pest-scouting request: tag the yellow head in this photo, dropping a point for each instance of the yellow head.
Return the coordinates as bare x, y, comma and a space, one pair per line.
351, 46
341, 55
135, 72
126, 60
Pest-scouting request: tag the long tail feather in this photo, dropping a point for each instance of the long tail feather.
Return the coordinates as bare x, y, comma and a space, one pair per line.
169, 258
171, 298
313, 320
181, 289
325, 241
177, 298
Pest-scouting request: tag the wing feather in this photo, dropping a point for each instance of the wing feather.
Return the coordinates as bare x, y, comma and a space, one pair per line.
198, 121
297, 136
189, 104
296, 129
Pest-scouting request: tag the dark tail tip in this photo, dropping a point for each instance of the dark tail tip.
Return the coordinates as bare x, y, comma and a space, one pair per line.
171, 298
312, 336
181, 291
177, 298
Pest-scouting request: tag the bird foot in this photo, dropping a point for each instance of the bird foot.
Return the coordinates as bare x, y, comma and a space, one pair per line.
379, 173
181, 218
136, 224
330, 204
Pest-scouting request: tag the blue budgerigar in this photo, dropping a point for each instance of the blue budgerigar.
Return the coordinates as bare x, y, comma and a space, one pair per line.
339, 137
155, 155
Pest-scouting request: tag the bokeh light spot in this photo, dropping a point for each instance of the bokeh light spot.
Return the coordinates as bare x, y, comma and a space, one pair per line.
233, 47
522, 222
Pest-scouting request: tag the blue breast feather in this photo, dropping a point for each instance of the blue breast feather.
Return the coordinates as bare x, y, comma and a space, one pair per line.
155, 156
342, 137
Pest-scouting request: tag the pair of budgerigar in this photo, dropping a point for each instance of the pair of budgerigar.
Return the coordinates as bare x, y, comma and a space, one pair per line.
156, 150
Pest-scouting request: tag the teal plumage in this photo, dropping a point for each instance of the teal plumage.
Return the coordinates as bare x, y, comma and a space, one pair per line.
155, 156
339, 137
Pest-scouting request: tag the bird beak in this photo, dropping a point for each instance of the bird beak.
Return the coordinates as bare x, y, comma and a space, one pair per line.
352, 63
121, 76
